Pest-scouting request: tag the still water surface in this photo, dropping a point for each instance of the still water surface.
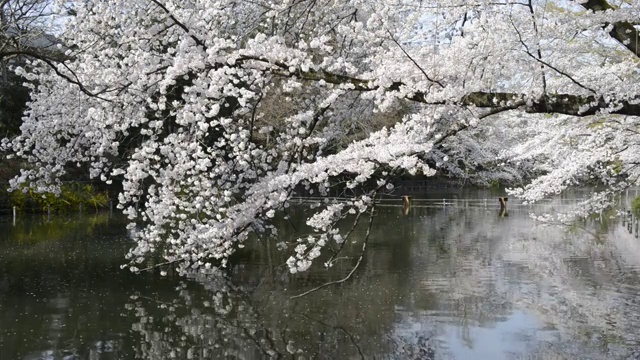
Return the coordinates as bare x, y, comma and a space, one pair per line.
444, 282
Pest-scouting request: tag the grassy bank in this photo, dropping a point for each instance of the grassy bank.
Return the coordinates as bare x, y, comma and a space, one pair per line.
73, 196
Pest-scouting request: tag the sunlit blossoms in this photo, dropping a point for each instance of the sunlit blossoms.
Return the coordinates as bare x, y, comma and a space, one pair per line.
212, 112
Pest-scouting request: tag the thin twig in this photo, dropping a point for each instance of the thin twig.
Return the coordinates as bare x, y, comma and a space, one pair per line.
156, 266
356, 221
413, 61
364, 248
492, 112
535, 28
180, 24
528, 52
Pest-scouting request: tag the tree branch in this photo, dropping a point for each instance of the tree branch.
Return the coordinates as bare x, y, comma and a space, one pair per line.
624, 32
179, 23
492, 112
353, 270
544, 63
413, 61
568, 104
51, 63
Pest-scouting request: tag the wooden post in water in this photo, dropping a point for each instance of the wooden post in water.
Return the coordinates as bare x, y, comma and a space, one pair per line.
14, 216
503, 207
406, 204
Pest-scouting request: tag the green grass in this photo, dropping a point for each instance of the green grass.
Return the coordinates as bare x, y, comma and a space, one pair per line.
70, 198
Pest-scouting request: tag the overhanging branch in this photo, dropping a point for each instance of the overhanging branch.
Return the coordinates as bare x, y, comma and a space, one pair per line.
51, 62
576, 105
568, 104
624, 32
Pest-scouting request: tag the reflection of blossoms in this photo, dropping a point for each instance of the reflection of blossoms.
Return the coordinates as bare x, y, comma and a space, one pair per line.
581, 289
579, 292
207, 316
215, 323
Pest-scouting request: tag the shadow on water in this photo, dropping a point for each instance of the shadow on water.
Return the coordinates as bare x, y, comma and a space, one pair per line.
449, 282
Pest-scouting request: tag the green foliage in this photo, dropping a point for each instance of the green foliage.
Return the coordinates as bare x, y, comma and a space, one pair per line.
494, 184
617, 165
635, 206
70, 198
597, 124
18, 199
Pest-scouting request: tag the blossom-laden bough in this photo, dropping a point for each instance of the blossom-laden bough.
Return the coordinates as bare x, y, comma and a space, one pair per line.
212, 112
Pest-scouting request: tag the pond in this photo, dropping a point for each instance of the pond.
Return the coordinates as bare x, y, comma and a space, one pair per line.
446, 281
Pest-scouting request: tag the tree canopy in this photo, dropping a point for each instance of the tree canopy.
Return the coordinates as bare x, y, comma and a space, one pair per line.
214, 111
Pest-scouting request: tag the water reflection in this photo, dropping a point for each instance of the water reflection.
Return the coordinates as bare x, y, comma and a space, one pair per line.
213, 319
566, 293
60, 284
210, 317
452, 282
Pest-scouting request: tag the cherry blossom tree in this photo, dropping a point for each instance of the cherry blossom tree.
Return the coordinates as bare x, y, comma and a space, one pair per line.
213, 112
